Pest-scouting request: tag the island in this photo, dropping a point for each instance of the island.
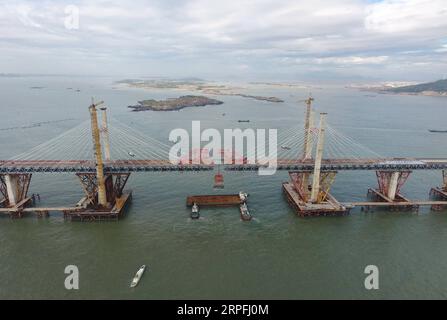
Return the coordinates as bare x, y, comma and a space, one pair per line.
173, 104
194, 84
261, 98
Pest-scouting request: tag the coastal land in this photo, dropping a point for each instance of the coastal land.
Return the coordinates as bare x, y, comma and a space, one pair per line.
436, 88
198, 85
174, 104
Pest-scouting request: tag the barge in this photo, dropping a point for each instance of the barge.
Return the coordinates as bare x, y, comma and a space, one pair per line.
221, 200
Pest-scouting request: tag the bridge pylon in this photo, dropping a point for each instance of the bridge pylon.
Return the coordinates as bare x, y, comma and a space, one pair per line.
314, 199
104, 196
307, 151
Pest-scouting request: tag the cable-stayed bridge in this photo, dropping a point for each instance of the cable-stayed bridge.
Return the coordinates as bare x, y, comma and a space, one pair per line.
132, 151
104, 153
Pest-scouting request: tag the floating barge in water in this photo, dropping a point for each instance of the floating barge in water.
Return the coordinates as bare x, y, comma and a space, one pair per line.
222, 200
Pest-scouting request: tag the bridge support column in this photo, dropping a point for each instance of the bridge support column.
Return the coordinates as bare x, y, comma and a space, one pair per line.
392, 186
14, 188
390, 183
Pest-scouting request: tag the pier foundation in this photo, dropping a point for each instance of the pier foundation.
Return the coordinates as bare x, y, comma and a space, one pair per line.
298, 193
115, 196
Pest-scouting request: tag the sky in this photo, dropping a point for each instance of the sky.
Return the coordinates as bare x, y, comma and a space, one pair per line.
271, 40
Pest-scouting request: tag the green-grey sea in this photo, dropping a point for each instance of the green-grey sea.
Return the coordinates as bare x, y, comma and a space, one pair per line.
275, 256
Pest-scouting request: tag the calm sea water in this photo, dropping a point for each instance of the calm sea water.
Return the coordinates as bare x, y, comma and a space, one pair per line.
277, 255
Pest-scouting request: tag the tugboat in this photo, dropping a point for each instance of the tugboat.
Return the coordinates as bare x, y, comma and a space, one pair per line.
438, 131
245, 214
195, 214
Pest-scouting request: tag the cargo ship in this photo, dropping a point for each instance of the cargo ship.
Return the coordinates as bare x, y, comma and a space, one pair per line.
438, 131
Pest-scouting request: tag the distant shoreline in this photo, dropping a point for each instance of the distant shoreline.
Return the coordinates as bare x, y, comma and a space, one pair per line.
404, 93
196, 85
430, 89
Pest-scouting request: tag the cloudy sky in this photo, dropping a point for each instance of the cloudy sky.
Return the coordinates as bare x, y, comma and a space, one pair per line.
234, 39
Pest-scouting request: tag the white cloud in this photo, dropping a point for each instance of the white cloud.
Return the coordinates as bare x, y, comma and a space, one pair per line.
394, 16
218, 36
352, 60
442, 49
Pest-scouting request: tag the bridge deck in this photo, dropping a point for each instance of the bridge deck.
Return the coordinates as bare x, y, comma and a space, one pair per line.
21, 166
396, 204
40, 209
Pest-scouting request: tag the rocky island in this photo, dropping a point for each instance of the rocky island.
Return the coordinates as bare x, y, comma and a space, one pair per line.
173, 104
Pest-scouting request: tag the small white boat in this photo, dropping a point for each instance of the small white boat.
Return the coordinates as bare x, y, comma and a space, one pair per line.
285, 147
131, 154
243, 196
138, 276
245, 214
195, 211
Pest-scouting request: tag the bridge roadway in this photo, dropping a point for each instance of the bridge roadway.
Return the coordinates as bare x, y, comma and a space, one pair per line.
117, 166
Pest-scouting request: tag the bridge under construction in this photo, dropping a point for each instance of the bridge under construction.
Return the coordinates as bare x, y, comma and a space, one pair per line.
313, 156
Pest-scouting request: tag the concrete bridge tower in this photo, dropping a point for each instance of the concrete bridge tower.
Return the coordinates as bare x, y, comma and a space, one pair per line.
102, 196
